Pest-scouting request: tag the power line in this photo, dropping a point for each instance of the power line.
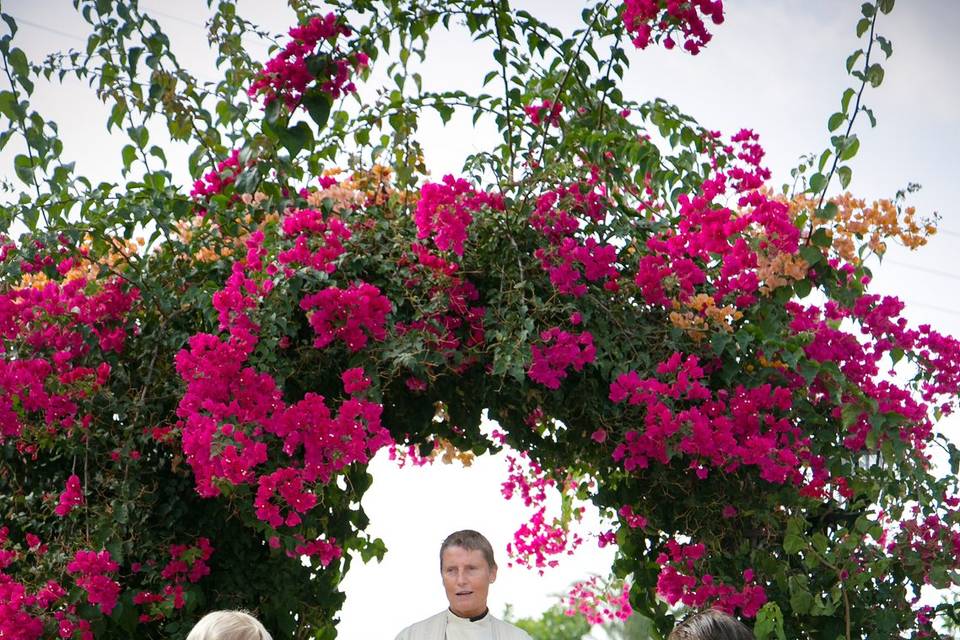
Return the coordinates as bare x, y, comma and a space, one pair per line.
952, 312
936, 272
83, 40
177, 18
74, 36
44, 27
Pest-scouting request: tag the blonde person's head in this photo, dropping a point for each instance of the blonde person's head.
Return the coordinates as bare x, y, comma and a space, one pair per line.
228, 625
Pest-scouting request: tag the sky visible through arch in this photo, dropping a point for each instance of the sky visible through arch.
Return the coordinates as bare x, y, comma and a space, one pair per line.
775, 66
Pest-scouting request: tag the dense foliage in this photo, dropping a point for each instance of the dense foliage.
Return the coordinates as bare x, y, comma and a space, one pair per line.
196, 376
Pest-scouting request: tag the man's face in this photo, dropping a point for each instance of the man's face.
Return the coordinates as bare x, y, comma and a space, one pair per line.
466, 579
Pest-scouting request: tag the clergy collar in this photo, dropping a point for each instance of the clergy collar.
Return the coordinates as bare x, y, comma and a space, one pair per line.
472, 618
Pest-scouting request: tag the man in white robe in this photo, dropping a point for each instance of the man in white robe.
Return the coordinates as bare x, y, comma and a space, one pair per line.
468, 569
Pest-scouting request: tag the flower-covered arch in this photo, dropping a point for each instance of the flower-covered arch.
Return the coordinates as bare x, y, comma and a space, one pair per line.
618, 287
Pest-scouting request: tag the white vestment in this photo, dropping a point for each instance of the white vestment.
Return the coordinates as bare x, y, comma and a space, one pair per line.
446, 626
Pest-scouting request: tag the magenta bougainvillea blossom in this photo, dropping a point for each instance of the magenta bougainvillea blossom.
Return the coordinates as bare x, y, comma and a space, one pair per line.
647, 19
544, 112
303, 61
446, 209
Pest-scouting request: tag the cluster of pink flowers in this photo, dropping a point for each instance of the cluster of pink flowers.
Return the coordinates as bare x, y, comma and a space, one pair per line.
61, 334
558, 351
288, 484
679, 582
16, 603
631, 519
349, 315
227, 410
527, 477
402, 455
710, 250
446, 209
188, 562
646, 19
751, 174
546, 112
92, 571
569, 261
933, 538
859, 361
233, 418
539, 541
317, 241
289, 74
71, 497
216, 180
457, 322
598, 602
723, 429
558, 215
325, 551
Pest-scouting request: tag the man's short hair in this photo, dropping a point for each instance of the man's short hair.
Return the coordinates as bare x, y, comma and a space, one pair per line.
711, 624
471, 541
228, 625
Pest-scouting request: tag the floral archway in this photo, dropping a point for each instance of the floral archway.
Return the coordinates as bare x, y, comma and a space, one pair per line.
649, 322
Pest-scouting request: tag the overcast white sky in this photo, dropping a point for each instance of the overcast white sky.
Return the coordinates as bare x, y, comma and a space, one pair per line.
775, 66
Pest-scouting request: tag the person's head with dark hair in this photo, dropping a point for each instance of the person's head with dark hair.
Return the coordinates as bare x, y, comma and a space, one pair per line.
711, 624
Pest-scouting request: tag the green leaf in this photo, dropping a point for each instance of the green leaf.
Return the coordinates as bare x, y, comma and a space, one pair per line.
318, 104
811, 255
846, 174
875, 75
849, 414
272, 111
828, 212
886, 6
847, 97
117, 114
133, 56
719, 341
23, 166
158, 152
852, 60
794, 541
823, 159
867, 9
818, 182
821, 238
850, 148
247, 181
8, 104
129, 154
139, 135
296, 138
885, 45
802, 288
835, 121
801, 599
18, 60
863, 26
869, 112
10, 23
